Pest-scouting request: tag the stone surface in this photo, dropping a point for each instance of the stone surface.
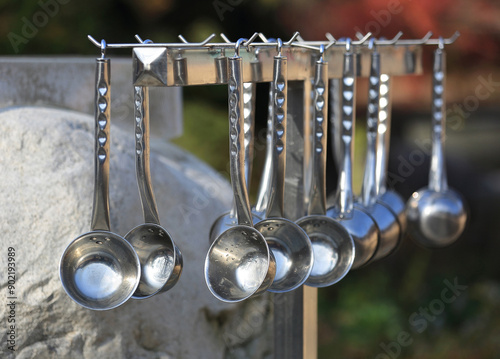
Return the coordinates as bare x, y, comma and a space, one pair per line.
46, 194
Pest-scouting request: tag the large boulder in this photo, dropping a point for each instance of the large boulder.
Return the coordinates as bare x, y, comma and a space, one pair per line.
46, 193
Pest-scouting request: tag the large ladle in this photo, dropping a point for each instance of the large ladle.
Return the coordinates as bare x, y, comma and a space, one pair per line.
360, 225
100, 270
289, 243
333, 246
229, 219
386, 220
239, 263
436, 214
161, 259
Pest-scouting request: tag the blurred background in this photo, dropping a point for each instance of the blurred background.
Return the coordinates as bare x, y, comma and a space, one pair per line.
371, 307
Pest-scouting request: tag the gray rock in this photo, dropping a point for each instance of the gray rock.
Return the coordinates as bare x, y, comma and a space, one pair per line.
46, 194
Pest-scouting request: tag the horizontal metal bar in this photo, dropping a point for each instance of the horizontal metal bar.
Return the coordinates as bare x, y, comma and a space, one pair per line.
204, 66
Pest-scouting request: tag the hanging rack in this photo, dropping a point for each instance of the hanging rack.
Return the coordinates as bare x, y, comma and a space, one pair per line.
197, 59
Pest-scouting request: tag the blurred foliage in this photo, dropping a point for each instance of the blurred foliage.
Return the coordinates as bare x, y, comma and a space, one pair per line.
372, 306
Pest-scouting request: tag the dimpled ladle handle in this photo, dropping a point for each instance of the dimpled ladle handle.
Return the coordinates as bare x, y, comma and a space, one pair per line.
383, 133
141, 111
100, 211
317, 193
345, 198
277, 177
237, 140
437, 174
369, 188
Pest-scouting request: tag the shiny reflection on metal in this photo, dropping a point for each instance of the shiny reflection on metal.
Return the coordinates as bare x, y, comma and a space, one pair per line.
100, 270
360, 225
332, 245
239, 262
289, 243
161, 260
387, 197
437, 214
389, 229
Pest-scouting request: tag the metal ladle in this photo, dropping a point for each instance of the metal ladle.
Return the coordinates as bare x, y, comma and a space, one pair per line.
360, 225
387, 223
333, 246
229, 219
161, 259
386, 196
100, 270
289, 243
239, 262
437, 214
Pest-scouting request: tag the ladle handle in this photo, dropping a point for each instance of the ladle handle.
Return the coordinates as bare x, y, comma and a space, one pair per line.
141, 115
345, 197
317, 193
437, 173
263, 193
237, 141
249, 119
383, 134
276, 187
335, 121
100, 211
369, 188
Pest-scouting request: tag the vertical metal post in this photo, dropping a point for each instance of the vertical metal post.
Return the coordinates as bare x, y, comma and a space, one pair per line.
295, 313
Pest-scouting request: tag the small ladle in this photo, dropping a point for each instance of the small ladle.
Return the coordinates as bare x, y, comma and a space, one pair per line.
437, 214
333, 246
229, 219
161, 259
387, 197
387, 223
360, 225
100, 270
239, 263
289, 243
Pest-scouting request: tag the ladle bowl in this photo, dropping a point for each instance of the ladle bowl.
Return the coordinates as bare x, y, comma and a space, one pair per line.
397, 205
436, 219
364, 232
292, 251
333, 249
100, 270
239, 264
161, 260
388, 226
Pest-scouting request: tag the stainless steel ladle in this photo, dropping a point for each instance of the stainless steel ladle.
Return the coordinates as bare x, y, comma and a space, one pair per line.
289, 243
386, 220
239, 262
100, 270
437, 214
360, 225
333, 246
229, 219
161, 259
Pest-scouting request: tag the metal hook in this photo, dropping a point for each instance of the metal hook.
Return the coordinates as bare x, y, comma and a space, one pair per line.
292, 39
147, 41
441, 43
425, 38
372, 44
94, 41
252, 39
453, 37
203, 43
103, 49
237, 46
364, 39
224, 37
321, 53
396, 38
348, 44
330, 37
279, 45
